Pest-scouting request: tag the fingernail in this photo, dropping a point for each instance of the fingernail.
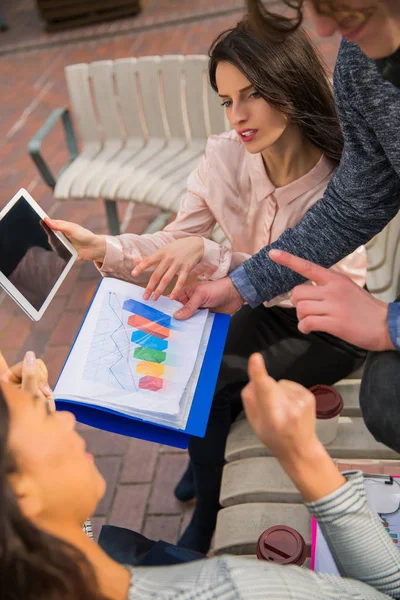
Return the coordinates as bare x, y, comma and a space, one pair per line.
48, 391
30, 358
133, 272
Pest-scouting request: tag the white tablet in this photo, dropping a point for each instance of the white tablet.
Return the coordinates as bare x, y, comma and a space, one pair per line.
34, 260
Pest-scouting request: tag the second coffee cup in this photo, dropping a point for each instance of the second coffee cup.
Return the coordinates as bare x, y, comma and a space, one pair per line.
329, 405
283, 545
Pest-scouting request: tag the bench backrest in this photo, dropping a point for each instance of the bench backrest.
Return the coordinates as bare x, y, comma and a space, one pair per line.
147, 97
384, 262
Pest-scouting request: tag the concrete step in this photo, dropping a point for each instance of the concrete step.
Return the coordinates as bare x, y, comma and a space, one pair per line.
240, 526
353, 441
349, 389
260, 479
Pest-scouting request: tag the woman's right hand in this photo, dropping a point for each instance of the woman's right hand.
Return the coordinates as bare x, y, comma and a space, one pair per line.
89, 245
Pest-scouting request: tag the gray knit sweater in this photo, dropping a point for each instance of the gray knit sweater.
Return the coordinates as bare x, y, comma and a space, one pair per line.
364, 193
364, 553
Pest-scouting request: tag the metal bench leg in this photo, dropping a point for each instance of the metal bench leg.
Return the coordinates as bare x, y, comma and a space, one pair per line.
159, 222
112, 217
3, 24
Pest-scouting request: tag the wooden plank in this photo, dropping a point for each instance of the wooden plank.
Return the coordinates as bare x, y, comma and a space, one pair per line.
93, 4
96, 17
85, 7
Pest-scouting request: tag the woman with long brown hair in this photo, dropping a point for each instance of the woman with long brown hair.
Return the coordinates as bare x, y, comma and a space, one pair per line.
48, 483
255, 181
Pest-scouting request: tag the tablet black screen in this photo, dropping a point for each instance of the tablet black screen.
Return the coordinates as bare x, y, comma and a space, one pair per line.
31, 255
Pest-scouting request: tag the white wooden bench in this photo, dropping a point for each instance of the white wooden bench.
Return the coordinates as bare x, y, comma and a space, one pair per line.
255, 492
384, 262
143, 125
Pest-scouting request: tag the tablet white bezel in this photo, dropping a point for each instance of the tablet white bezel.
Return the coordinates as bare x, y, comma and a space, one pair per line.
6, 284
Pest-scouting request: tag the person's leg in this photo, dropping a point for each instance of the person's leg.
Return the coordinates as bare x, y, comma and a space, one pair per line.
380, 397
311, 359
184, 489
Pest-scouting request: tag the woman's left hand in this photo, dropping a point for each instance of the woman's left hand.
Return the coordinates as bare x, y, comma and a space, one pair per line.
176, 259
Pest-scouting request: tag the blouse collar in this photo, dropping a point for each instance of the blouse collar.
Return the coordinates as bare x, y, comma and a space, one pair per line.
284, 195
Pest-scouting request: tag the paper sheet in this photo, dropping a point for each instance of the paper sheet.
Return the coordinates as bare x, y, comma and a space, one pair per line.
131, 356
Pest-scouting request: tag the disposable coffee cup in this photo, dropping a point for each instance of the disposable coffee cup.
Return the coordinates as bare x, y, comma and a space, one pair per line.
329, 405
282, 545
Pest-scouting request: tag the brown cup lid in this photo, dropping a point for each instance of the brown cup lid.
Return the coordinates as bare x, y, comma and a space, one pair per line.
329, 401
283, 545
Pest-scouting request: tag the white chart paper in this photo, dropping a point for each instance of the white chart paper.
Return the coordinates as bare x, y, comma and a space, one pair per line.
121, 362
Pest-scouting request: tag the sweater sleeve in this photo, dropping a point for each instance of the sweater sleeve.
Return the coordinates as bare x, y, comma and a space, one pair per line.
362, 196
356, 537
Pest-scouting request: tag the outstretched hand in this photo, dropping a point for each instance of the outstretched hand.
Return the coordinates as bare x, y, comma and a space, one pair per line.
336, 305
89, 245
177, 259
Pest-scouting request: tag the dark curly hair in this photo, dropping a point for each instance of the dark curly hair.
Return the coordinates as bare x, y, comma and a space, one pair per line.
289, 75
35, 565
273, 24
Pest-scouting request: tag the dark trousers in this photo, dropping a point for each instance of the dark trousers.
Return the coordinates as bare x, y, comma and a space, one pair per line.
308, 359
131, 548
380, 396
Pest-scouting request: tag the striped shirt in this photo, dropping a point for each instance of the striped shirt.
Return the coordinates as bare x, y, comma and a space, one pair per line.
365, 555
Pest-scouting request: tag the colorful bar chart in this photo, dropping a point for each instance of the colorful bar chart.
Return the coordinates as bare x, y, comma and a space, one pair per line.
386, 525
151, 332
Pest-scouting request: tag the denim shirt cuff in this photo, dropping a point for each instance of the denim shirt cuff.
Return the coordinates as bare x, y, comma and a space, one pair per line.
244, 286
394, 324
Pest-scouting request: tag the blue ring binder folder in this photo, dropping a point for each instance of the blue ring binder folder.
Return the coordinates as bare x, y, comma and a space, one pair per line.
110, 420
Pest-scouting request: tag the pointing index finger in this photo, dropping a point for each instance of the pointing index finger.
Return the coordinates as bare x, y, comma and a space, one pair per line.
303, 267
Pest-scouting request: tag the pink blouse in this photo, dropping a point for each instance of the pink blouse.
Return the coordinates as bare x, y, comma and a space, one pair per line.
231, 187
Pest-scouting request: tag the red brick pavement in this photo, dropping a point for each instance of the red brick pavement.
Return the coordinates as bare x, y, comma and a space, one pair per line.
140, 476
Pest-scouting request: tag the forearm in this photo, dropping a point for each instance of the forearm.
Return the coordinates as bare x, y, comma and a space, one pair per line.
359, 544
313, 472
322, 237
123, 250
